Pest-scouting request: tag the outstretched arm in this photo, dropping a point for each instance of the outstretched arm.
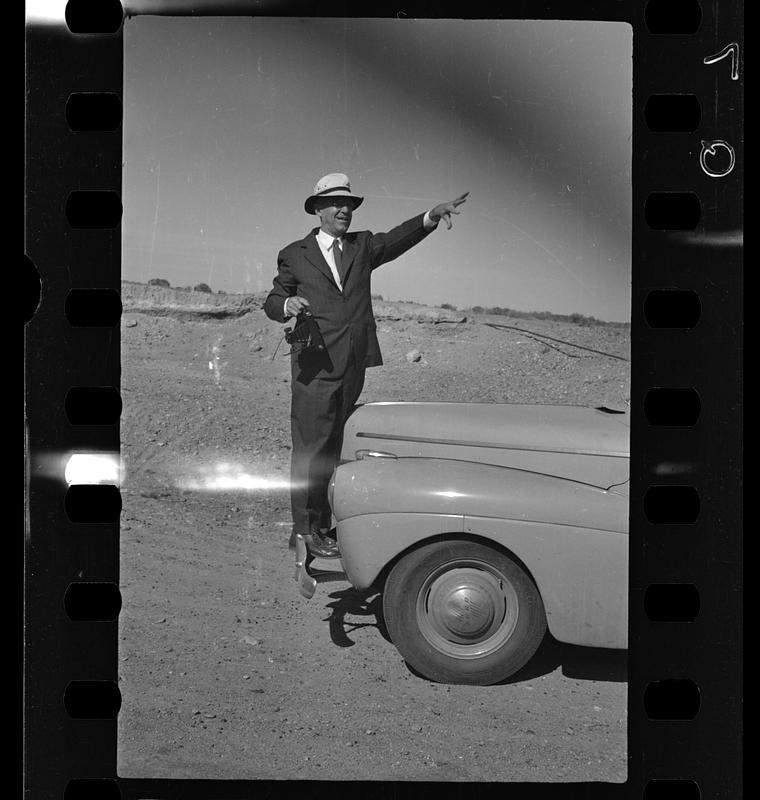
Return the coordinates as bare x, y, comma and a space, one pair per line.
443, 211
387, 246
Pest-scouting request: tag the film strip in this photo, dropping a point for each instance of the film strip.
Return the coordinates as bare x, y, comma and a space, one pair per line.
684, 692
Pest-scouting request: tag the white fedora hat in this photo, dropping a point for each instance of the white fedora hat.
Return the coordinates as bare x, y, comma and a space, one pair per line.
336, 184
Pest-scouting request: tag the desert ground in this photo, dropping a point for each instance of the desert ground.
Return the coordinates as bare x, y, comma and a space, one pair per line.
225, 670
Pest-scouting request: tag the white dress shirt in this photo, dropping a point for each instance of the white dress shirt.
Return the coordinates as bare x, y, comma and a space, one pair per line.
326, 243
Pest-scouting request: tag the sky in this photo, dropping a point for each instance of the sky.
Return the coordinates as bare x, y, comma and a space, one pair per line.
229, 122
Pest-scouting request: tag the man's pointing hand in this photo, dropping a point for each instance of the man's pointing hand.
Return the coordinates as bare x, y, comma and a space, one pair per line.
443, 211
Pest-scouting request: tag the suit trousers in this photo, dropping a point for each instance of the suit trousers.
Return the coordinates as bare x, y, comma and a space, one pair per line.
320, 406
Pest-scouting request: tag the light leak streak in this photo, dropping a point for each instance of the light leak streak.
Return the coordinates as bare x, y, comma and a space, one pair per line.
675, 468
46, 12
157, 203
215, 363
94, 469
226, 477
717, 239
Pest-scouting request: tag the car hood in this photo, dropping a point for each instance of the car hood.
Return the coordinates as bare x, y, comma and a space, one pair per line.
589, 445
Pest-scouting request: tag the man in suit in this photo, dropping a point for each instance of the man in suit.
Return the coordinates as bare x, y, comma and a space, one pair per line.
328, 272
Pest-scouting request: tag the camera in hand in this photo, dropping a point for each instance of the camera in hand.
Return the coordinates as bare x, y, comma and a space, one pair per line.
305, 334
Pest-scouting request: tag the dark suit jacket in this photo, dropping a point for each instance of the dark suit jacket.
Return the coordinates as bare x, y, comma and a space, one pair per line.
344, 318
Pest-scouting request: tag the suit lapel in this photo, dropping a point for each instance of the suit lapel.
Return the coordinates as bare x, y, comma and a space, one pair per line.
314, 255
349, 251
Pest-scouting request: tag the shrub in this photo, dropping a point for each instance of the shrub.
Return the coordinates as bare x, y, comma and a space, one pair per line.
448, 307
159, 282
202, 287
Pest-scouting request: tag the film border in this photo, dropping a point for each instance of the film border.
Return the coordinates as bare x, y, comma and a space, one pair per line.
71, 665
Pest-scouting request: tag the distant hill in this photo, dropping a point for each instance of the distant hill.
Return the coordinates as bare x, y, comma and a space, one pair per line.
577, 319
179, 301
159, 298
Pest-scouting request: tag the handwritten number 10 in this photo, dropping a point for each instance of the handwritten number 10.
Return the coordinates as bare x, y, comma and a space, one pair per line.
710, 148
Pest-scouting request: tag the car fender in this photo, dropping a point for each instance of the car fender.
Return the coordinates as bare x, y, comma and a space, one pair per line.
385, 507
447, 486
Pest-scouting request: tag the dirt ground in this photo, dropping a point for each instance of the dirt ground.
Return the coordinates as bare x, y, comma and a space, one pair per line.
225, 670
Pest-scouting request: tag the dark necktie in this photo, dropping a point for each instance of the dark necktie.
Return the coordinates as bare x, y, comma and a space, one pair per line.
338, 257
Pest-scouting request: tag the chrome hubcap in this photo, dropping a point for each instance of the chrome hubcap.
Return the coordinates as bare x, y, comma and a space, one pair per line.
467, 609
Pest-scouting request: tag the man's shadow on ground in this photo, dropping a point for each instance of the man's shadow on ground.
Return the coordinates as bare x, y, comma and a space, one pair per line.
584, 663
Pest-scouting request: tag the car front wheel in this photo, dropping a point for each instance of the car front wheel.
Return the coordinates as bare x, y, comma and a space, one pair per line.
463, 612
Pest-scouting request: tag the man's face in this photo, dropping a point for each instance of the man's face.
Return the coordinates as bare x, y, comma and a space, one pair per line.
335, 214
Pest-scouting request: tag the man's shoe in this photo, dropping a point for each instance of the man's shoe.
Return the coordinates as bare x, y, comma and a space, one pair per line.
320, 546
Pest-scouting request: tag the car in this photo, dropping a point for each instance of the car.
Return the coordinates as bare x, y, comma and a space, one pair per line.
484, 525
